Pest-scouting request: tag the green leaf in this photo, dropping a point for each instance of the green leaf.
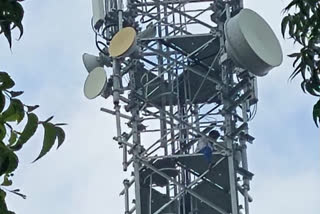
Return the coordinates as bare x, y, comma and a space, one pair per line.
20, 27
48, 120
310, 89
315, 84
32, 108
316, 113
60, 124
28, 131
303, 71
19, 110
294, 55
8, 160
297, 70
15, 93
13, 138
284, 24
5, 27
49, 139
291, 28
2, 101
15, 111
4, 162
296, 60
3, 194
60, 135
17, 21
13, 162
18, 11
5, 81
6, 181
3, 131
3, 205
303, 86
12, 14
290, 5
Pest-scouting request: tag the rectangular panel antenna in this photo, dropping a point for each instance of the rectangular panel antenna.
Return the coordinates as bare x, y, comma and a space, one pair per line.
98, 10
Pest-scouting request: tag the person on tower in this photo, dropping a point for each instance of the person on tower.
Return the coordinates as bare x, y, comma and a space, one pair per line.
206, 147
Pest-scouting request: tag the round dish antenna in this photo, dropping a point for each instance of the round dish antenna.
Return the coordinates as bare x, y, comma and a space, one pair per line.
251, 43
91, 62
95, 83
123, 43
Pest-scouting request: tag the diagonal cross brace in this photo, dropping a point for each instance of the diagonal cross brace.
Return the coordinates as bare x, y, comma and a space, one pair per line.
186, 189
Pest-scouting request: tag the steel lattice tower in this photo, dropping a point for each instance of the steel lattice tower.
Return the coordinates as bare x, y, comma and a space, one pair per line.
176, 86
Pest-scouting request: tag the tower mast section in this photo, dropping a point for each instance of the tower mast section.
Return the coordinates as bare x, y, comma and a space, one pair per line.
183, 80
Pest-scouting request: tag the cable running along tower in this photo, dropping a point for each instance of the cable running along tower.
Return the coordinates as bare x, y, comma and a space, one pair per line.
182, 76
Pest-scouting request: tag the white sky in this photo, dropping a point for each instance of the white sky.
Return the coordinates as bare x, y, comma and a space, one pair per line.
85, 175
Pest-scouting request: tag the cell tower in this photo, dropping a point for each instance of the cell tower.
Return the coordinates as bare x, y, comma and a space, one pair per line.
182, 74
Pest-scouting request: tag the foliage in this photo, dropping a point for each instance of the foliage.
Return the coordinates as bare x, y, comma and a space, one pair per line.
12, 140
13, 112
11, 15
303, 26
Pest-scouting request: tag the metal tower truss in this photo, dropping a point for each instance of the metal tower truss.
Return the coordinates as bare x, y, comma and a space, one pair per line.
170, 92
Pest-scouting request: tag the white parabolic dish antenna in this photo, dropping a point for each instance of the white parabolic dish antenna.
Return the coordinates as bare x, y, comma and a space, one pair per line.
95, 83
123, 43
251, 43
91, 62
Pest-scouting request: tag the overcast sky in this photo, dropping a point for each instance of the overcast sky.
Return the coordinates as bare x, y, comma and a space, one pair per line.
85, 175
